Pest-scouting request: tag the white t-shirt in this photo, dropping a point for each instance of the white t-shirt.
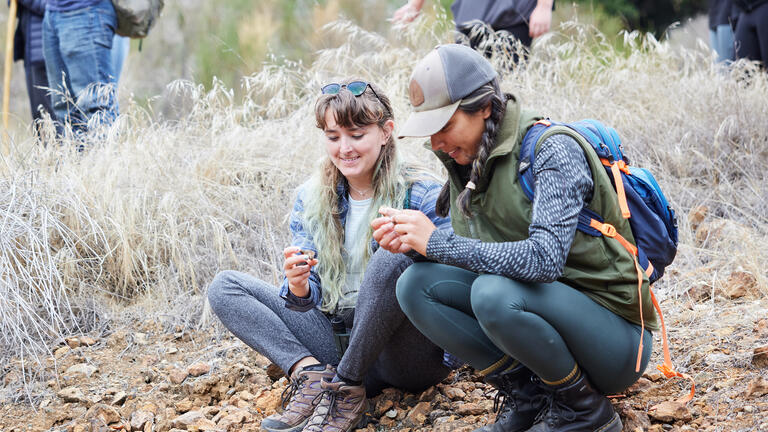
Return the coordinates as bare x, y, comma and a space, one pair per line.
355, 227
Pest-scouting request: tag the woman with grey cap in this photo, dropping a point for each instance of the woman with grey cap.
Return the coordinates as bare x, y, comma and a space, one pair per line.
549, 315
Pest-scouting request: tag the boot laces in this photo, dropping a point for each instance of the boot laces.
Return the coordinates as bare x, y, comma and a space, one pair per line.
553, 409
503, 401
292, 390
332, 410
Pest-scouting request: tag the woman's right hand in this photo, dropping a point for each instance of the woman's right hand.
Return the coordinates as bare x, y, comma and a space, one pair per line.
297, 268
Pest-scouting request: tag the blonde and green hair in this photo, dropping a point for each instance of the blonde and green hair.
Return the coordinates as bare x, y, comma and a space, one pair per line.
391, 181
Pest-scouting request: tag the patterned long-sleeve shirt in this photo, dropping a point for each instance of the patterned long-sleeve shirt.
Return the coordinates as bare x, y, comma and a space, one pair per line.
563, 185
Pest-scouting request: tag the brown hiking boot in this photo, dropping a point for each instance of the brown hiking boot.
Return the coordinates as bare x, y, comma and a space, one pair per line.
299, 399
341, 408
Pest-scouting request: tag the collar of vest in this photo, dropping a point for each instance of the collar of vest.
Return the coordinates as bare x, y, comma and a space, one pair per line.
509, 134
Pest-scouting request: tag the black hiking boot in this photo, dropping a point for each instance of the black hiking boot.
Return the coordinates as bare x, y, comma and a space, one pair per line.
516, 402
577, 407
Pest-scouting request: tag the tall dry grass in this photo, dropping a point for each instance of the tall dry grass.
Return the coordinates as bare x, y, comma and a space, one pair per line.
137, 226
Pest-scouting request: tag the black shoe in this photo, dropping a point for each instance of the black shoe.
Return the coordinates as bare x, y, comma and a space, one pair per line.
577, 407
516, 402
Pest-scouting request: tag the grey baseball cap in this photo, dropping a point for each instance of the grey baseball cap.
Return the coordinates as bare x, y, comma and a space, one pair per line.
439, 82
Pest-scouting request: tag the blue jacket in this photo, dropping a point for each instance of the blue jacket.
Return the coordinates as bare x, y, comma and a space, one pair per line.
28, 40
423, 196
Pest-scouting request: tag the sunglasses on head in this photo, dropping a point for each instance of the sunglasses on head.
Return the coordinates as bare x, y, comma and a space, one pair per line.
355, 87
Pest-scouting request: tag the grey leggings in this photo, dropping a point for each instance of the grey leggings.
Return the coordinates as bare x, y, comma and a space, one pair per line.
548, 327
385, 349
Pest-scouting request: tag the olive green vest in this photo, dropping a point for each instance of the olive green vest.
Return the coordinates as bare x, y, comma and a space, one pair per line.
598, 266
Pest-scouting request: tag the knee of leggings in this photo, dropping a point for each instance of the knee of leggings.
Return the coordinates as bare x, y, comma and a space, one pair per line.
220, 284
410, 289
495, 301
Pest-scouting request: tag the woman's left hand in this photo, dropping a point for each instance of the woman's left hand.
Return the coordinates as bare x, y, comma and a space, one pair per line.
412, 226
384, 233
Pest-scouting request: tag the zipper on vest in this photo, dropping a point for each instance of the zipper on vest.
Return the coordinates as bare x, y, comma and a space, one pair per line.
472, 229
471, 223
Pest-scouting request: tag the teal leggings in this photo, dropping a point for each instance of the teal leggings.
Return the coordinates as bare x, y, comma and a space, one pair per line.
548, 327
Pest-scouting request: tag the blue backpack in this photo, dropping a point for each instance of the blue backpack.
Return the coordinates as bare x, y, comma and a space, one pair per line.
641, 200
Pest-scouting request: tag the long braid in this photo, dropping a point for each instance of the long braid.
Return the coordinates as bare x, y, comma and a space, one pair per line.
443, 202
478, 100
487, 143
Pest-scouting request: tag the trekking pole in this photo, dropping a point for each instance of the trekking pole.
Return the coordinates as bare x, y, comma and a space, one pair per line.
8, 64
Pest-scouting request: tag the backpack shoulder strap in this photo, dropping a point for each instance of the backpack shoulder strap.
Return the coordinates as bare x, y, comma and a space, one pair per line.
525, 173
528, 155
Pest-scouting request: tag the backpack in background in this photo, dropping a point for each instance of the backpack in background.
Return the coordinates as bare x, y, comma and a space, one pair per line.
640, 200
136, 17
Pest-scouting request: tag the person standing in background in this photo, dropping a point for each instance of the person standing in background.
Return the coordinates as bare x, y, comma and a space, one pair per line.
721, 30
77, 43
28, 46
751, 34
524, 20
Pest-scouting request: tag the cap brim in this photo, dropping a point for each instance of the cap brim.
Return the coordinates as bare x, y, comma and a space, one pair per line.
426, 123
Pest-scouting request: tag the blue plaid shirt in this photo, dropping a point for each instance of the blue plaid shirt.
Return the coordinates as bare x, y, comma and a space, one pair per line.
423, 196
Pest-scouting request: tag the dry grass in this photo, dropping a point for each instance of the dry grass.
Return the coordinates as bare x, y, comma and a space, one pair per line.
141, 222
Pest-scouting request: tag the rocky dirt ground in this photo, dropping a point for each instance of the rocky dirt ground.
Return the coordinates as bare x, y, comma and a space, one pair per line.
146, 379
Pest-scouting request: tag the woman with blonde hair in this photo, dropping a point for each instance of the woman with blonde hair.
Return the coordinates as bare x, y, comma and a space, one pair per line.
337, 280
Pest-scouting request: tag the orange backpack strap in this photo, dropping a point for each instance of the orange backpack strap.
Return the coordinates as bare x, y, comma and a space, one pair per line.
609, 230
666, 368
616, 169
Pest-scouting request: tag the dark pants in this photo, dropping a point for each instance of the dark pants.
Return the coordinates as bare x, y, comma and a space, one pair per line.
520, 32
548, 327
385, 349
751, 35
37, 89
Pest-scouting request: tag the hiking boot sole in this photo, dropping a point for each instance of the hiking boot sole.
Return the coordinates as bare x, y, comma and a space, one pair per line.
296, 428
612, 426
359, 420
